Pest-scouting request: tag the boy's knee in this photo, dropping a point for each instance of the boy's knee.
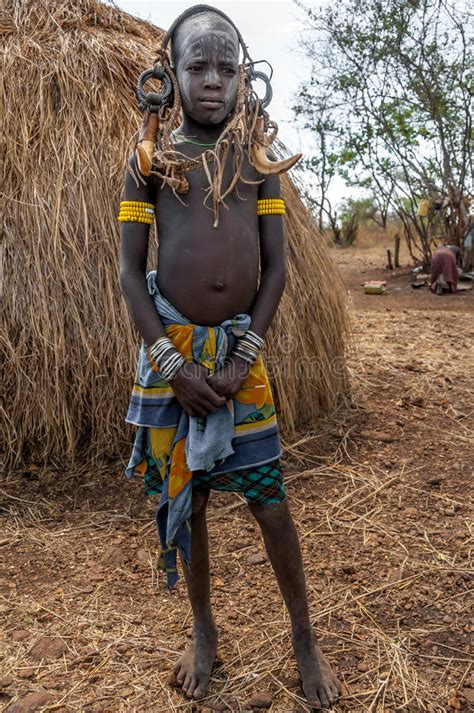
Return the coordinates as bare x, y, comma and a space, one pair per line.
268, 515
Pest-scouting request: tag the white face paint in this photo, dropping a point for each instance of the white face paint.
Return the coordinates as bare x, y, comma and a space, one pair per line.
207, 72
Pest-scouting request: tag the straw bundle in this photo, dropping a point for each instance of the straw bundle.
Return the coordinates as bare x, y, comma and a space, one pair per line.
68, 78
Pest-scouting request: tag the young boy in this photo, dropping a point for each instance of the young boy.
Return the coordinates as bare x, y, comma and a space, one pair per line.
202, 401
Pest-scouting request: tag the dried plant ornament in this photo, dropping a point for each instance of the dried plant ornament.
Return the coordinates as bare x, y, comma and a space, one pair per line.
248, 129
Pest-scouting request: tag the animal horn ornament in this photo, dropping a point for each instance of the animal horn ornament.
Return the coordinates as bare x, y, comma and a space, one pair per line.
151, 103
260, 142
265, 132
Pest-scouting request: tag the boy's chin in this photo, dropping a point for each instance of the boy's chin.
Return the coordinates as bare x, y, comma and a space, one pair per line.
209, 118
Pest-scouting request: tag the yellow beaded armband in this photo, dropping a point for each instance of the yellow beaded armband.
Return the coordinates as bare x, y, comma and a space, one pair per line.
271, 206
136, 212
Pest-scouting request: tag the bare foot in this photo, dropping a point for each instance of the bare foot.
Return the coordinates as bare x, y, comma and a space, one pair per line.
193, 670
320, 685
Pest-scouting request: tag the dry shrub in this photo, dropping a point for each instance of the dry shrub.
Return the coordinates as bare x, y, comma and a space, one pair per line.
68, 77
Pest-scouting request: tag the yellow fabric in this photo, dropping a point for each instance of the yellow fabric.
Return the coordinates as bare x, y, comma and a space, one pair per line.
255, 391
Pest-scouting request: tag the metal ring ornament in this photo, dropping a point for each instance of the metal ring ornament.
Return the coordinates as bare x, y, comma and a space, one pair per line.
153, 101
255, 74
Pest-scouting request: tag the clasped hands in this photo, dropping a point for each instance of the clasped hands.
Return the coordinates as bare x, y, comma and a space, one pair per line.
200, 394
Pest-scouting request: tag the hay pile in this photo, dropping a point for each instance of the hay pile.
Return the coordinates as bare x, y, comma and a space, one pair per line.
68, 78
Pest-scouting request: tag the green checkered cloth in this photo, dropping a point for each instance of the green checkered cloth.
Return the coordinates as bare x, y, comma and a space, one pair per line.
261, 484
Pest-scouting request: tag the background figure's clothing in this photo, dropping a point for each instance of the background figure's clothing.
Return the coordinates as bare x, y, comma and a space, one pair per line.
170, 445
444, 271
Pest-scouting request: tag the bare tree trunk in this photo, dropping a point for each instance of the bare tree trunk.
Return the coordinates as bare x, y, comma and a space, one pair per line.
397, 250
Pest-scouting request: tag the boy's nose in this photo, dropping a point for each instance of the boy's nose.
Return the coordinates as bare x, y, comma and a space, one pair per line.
212, 80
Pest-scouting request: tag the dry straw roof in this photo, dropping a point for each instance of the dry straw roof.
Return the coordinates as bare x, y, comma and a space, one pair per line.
69, 74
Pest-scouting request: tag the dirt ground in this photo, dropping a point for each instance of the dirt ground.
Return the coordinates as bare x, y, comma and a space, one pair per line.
380, 493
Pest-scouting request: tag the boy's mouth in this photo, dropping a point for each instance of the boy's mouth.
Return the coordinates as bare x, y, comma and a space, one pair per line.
209, 103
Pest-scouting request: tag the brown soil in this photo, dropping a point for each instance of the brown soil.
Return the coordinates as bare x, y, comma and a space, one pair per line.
380, 494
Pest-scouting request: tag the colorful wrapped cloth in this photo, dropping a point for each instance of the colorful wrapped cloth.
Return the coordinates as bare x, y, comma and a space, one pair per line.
444, 273
235, 448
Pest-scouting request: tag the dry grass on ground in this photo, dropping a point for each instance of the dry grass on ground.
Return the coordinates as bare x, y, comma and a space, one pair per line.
380, 496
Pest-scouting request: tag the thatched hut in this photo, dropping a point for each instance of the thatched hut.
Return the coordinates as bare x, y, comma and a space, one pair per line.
68, 78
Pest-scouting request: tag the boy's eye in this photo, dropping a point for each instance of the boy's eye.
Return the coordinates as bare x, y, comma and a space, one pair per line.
229, 71
195, 68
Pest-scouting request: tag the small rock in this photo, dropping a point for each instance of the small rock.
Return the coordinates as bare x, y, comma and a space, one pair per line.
468, 694
26, 673
171, 680
259, 700
449, 512
30, 703
435, 480
219, 706
114, 555
457, 507
417, 401
87, 589
6, 681
348, 568
126, 692
143, 556
257, 558
378, 436
362, 667
123, 648
447, 619
49, 647
20, 635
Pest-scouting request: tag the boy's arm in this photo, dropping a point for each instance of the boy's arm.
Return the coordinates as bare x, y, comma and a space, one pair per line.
133, 259
272, 283
189, 385
272, 262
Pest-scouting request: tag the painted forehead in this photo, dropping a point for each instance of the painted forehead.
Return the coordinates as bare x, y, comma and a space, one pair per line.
205, 36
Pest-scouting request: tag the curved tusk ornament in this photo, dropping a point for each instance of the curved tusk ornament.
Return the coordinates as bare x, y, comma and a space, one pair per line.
259, 158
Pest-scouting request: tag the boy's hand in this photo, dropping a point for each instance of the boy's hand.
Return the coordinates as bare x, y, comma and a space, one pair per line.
228, 380
193, 392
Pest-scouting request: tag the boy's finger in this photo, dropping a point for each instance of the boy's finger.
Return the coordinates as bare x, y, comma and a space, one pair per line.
208, 405
214, 398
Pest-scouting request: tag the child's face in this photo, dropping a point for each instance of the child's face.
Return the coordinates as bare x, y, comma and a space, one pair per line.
207, 73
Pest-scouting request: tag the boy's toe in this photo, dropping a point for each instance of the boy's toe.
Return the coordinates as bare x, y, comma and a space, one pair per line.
334, 691
324, 699
192, 686
200, 692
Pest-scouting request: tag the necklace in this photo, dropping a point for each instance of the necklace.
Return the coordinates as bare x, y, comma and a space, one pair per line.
185, 139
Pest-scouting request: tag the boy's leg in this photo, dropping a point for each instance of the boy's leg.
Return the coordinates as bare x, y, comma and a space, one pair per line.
320, 685
193, 670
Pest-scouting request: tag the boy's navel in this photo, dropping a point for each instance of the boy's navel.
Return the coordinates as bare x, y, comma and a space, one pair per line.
219, 286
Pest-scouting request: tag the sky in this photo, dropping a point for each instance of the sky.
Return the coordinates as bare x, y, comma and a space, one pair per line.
271, 30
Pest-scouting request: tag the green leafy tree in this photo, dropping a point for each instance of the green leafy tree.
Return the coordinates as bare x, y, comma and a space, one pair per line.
395, 78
